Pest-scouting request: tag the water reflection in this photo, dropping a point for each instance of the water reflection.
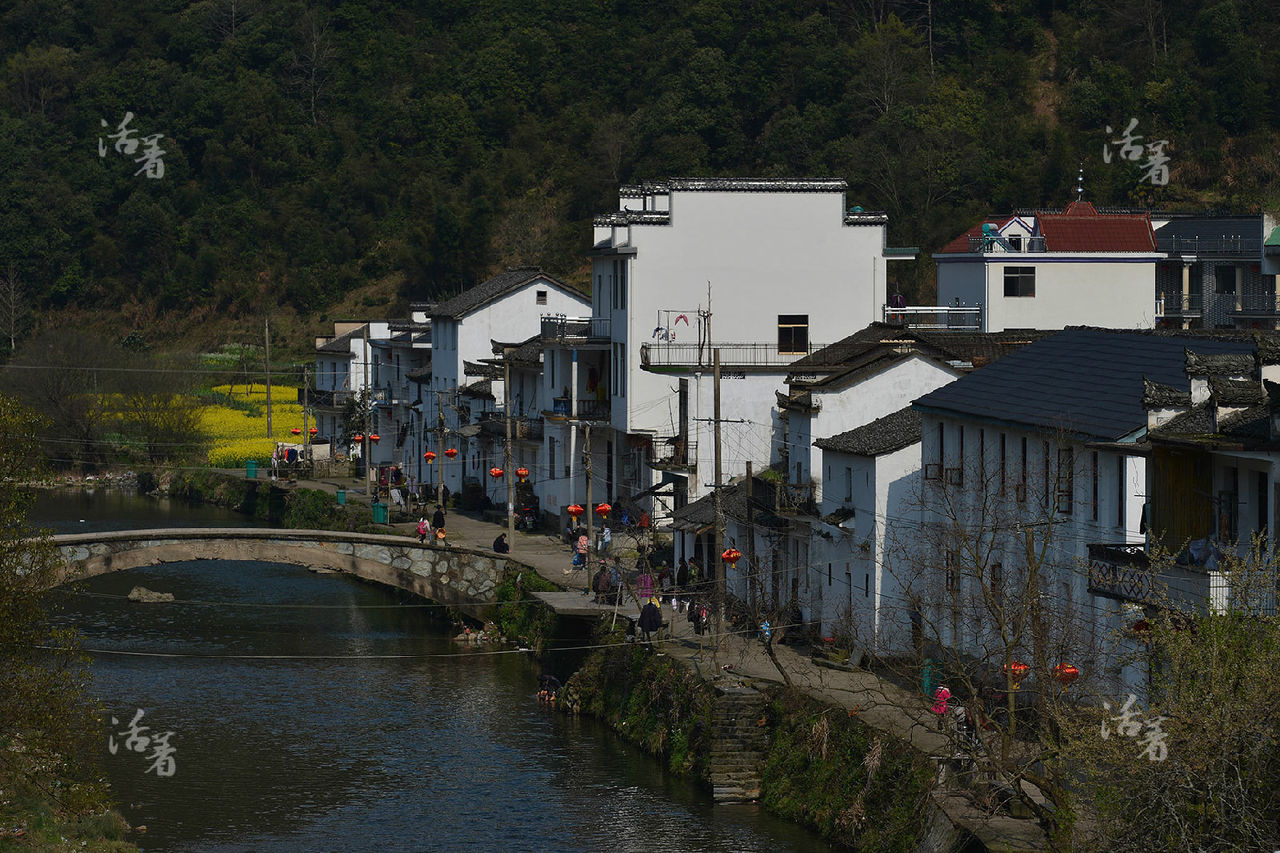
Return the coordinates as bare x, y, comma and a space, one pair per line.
442, 748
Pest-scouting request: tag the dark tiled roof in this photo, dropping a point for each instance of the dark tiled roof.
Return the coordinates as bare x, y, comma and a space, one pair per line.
883, 435
526, 352
1219, 364
733, 498
486, 371
482, 389
469, 300
341, 345
419, 374
1236, 392
1155, 394
1088, 382
1247, 427
880, 341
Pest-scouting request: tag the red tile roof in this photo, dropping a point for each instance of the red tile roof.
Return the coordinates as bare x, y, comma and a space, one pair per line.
1079, 228
1082, 229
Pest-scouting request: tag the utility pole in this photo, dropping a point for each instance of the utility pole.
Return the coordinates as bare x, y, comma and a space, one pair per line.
267, 337
440, 457
511, 486
306, 414
753, 578
586, 464
718, 534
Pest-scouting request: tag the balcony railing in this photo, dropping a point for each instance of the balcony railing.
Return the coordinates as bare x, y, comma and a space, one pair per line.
934, 316
326, 399
751, 355
560, 329
673, 453
1006, 246
1256, 305
1120, 571
1178, 306
1234, 247
795, 499
522, 429
588, 409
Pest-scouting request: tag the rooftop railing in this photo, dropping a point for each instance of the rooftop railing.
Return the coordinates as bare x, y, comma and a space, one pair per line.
558, 328
935, 316
732, 355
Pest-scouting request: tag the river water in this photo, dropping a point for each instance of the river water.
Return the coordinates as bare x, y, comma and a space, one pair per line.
319, 713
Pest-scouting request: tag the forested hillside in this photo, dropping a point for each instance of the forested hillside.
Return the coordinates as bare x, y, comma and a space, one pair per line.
312, 148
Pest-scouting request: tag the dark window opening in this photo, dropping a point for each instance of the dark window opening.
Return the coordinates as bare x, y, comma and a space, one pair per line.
793, 333
1019, 281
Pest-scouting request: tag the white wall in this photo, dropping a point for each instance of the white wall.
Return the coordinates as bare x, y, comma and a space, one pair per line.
1116, 290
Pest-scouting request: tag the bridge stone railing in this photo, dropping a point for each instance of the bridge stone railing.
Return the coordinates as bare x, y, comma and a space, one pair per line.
459, 577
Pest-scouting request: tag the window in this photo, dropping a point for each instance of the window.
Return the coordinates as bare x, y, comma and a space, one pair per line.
1015, 242
1120, 481
1224, 279
848, 484
1095, 486
1019, 281
793, 333
551, 457
1002, 464
540, 297
997, 584
622, 283
1066, 481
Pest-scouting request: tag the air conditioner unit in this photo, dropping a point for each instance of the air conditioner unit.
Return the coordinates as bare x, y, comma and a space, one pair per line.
933, 471
1020, 493
955, 476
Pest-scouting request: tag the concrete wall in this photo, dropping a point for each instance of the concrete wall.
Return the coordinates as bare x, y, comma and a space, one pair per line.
458, 577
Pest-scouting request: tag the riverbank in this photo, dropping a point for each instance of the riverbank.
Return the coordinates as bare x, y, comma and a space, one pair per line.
840, 796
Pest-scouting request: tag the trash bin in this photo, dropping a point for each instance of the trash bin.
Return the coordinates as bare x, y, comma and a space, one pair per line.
380, 512
251, 469
342, 497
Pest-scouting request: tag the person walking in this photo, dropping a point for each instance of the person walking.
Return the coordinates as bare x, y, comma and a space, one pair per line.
437, 519
644, 585
606, 540
423, 530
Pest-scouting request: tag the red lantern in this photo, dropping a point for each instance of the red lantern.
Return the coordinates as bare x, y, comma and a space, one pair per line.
1015, 672
575, 510
603, 510
523, 473
1066, 673
451, 452
296, 431
375, 438
313, 431
430, 456
496, 473
731, 556
359, 436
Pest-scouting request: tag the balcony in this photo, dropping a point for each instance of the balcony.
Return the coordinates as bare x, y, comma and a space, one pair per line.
751, 356
934, 317
1173, 306
795, 499
1006, 246
674, 453
557, 328
1122, 572
1218, 247
1256, 305
588, 409
326, 399
522, 429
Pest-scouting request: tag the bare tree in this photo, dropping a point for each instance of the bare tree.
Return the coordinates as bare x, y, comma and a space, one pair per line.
312, 63
13, 304
976, 617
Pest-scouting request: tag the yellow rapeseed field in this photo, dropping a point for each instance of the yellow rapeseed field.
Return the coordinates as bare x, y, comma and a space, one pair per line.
237, 436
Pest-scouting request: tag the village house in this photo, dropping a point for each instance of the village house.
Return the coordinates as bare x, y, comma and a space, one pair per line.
461, 393
758, 270
1034, 467
1050, 270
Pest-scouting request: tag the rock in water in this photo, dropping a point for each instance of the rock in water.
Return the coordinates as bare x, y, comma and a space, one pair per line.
141, 593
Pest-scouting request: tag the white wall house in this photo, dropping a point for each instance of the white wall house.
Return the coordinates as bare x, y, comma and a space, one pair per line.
766, 271
1048, 270
1039, 460
343, 366
397, 416
507, 307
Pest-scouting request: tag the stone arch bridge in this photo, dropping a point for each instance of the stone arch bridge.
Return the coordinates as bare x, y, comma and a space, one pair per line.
459, 577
